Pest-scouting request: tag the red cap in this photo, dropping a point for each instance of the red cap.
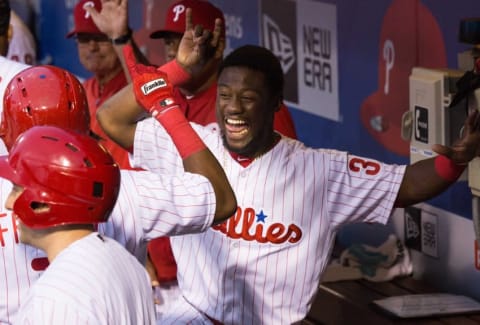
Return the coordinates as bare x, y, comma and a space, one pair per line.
203, 13
83, 21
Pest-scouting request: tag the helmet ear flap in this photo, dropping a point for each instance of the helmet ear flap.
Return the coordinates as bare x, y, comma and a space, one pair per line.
29, 210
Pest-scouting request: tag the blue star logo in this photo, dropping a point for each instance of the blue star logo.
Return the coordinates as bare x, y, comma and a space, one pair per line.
261, 217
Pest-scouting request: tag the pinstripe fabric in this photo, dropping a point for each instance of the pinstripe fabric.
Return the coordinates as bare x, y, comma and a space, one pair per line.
149, 205
13, 272
263, 265
92, 281
16, 271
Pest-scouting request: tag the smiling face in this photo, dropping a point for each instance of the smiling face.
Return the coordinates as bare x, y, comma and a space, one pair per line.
245, 111
97, 55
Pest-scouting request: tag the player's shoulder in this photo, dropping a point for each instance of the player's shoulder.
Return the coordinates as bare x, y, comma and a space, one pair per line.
296, 150
9, 68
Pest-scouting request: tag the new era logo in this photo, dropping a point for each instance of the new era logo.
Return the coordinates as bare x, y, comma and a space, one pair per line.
153, 85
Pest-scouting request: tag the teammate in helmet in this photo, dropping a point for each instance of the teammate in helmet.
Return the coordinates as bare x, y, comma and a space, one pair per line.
148, 205
64, 184
43, 95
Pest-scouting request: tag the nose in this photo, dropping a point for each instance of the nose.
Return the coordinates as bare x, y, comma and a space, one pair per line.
92, 44
234, 105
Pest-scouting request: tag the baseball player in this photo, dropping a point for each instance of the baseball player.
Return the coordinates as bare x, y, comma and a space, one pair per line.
8, 68
64, 183
264, 264
196, 96
22, 46
149, 205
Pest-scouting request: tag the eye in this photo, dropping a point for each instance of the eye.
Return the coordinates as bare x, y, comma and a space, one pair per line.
248, 98
224, 95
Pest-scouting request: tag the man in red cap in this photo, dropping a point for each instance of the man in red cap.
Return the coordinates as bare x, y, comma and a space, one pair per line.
204, 14
99, 54
197, 98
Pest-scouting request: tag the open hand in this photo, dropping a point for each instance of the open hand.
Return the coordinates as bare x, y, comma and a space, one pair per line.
199, 45
468, 146
112, 20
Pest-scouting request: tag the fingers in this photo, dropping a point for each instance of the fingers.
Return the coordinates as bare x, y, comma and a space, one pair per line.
188, 19
92, 12
442, 150
217, 33
219, 49
471, 125
475, 117
200, 32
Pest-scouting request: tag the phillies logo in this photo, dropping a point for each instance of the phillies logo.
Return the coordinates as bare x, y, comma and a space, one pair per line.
370, 167
85, 6
178, 10
275, 233
153, 85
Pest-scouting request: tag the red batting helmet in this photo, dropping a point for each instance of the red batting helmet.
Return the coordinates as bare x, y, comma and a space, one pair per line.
43, 95
68, 172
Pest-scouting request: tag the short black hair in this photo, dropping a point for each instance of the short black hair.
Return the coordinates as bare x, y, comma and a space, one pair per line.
4, 16
259, 59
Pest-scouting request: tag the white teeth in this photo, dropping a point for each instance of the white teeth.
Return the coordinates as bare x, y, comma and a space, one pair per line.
235, 122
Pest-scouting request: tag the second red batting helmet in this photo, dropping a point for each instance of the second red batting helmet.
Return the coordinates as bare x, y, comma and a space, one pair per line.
43, 95
69, 173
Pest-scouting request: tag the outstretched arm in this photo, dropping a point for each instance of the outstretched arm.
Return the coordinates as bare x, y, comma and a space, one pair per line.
153, 92
427, 178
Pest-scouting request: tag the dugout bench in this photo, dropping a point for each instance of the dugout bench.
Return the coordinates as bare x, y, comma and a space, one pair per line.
350, 302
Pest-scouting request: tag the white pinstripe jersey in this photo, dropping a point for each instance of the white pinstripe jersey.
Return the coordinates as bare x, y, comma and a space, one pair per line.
21, 47
264, 264
92, 281
149, 205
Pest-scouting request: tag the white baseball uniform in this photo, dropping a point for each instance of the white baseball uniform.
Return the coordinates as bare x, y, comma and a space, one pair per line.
92, 281
22, 46
8, 69
263, 265
10, 272
149, 205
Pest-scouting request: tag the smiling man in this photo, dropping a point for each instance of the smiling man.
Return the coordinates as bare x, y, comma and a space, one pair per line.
291, 199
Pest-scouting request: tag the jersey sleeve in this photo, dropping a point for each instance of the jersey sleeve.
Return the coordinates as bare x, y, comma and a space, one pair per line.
361, 189
154, 150
39, 311
152, 205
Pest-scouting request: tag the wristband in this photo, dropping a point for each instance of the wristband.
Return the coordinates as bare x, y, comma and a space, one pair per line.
183, 135
121, 40
177, 75
447, 169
